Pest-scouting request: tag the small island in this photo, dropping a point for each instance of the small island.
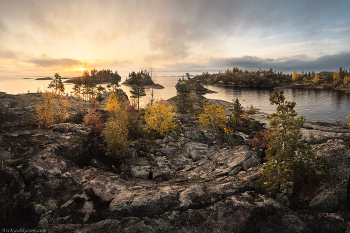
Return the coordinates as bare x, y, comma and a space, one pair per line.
100, 76
145, 77
45, 78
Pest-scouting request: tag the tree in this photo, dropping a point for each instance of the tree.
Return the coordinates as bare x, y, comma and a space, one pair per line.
100, 91
295, 76
88, 84
288, 159
184, 100
317, 79
213, 116
56, 84
237, 111
116, 132
77, 85
138, 90
336, 79
159, 118
346, 80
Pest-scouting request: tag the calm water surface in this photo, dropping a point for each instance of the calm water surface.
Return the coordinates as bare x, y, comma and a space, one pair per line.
313, 104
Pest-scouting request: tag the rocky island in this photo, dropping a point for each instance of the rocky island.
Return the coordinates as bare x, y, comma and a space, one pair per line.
146, 80
192, 179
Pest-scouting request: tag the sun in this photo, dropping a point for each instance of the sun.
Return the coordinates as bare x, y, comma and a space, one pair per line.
81, 69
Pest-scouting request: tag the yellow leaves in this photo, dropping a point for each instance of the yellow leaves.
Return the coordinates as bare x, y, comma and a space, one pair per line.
116, 108
116, 132
295, 76
51, 110
317, 79
159, 118
213, 116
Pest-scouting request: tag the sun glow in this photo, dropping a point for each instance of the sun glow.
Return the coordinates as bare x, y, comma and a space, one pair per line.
81, 69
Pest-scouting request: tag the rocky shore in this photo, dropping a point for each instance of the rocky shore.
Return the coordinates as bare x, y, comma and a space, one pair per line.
194, 179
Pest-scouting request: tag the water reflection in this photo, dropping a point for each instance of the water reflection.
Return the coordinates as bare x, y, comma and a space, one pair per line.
313, 104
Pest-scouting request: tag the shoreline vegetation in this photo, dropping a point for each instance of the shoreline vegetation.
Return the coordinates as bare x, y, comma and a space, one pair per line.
337, 80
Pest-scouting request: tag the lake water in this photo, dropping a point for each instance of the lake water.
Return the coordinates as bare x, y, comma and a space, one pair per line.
313, 104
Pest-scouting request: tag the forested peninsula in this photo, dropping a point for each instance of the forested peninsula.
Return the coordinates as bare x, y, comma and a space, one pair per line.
269, 78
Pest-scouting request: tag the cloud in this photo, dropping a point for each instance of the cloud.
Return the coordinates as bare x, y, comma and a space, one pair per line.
48, 62
7, 54
170, 34
300, 62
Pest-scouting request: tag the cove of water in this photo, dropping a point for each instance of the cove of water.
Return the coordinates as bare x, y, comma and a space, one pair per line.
313, 104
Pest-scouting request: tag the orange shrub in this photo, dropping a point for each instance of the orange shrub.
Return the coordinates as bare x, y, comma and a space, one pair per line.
51, 110
95, 102
94, 118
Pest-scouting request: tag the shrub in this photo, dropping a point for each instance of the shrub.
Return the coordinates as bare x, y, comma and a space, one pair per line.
95, 102
94, 118
159, 118
51, 110
213, 116
252, 110
116, 132
260, 138
288, 159
115, 136
133, 122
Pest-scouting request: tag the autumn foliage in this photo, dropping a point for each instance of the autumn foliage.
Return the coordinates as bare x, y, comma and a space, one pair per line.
213, 116
116, 131
159, 118
260, 138
51, 110
94, 118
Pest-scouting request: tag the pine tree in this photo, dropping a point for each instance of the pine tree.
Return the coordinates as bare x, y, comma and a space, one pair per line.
237, 111
56, 84
138, 90
184, 100
288, 159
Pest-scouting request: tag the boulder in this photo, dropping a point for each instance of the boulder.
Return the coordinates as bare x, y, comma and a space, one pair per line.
143, 202
167, 151
141, 172
332, 194
193, 196
196, 150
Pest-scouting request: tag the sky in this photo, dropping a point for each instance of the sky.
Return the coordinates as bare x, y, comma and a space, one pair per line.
173, 37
